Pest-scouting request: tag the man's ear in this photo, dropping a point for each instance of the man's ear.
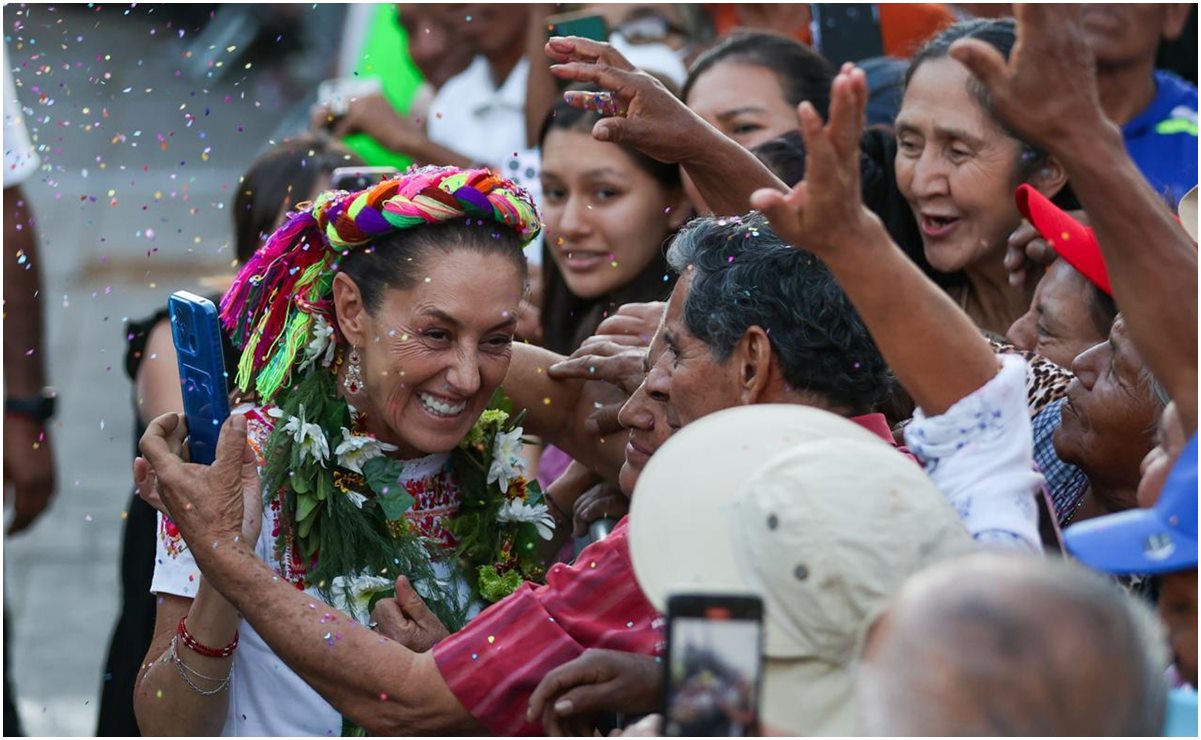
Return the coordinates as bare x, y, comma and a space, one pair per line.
1174, 17
1050, 178
350, 309
753, 355
681, 209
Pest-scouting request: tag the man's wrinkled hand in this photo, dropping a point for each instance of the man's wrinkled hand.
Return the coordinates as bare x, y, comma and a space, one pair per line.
407, 620
375, 116
640, 320
606, 361
571, 697
209, 503
1047, 90
637, 109
603, 500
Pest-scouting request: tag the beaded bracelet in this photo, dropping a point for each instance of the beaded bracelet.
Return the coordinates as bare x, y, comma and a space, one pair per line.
197, 647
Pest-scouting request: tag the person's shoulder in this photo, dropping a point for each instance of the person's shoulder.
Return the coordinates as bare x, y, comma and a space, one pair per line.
1175, 90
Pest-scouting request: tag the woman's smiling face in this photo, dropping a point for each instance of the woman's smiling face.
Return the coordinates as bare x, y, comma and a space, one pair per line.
956, 167
434, 353
606, 217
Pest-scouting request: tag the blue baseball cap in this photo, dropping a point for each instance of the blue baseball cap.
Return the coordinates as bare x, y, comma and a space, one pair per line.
1162, 539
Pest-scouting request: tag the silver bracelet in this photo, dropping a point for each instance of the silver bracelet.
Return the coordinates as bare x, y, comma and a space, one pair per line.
183, 669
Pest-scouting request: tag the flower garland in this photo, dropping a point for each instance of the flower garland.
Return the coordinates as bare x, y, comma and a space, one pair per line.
347, 506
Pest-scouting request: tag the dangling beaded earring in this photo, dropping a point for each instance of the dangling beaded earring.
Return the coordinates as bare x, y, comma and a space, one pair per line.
353, 382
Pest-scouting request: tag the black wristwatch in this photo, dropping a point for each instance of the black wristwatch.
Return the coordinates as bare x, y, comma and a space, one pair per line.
39, 408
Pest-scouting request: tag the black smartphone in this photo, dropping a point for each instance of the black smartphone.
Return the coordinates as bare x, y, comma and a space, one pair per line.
359, 178
575, 24
847, 32
196, 332
714, 665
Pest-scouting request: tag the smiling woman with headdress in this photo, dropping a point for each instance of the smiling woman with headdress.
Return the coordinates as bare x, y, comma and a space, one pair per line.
375, 328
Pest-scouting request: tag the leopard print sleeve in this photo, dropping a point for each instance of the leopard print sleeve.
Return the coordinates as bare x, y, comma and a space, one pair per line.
1046, 382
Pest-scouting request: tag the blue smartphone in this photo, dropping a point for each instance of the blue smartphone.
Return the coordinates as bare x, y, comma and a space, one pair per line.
196, 331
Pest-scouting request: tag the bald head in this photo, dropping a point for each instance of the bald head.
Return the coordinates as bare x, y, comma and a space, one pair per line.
1001, 644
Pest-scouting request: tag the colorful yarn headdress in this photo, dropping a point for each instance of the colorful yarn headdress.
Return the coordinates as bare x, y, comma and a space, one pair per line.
282, 300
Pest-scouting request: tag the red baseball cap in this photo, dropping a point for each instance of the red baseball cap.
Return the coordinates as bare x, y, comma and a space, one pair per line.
1071, 239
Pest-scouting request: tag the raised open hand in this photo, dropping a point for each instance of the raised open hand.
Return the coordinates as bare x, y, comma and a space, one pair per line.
638, 109
826, 208
1049, 83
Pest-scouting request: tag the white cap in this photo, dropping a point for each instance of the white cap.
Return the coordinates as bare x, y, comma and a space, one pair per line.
816, 515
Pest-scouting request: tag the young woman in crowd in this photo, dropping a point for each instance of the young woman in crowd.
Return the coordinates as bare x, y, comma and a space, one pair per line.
749, 85
364, 476
608, 210
291, 172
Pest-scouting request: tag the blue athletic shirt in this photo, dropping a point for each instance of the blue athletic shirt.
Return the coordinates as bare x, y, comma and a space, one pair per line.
1162, 139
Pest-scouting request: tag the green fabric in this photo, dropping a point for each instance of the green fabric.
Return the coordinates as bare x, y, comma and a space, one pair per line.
1176, 126
386, 56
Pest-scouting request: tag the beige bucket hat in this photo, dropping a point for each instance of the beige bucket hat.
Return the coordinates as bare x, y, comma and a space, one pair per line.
811, 512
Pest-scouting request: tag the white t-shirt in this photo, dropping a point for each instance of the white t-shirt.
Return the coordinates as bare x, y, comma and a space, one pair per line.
474, 117
266, 697
20, 158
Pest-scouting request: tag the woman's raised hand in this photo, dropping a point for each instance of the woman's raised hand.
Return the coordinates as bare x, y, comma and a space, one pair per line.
639, 111
825, 209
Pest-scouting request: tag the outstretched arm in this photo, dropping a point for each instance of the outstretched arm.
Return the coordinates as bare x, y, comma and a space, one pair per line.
932, 346
558, 411
645, 115
972, 429
1047, 92
379, 684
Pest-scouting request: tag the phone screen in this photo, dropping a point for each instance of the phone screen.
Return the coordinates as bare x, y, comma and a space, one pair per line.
713, 671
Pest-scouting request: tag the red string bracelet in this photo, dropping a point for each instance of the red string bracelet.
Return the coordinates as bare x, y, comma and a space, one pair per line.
197, 647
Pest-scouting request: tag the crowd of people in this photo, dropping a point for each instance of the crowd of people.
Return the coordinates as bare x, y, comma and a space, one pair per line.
905, 346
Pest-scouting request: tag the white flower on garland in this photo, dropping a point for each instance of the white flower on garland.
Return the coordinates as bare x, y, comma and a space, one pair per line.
322, 347
356, 449
356, 498
517, 510
359, 589
507, 462
309, 437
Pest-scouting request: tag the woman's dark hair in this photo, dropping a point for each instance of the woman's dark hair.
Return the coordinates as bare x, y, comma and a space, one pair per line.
784, 156
567, 319
399, 259
803, 73
744, 275
280, 178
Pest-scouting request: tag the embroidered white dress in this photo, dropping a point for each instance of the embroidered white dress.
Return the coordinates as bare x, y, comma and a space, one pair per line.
265, 696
